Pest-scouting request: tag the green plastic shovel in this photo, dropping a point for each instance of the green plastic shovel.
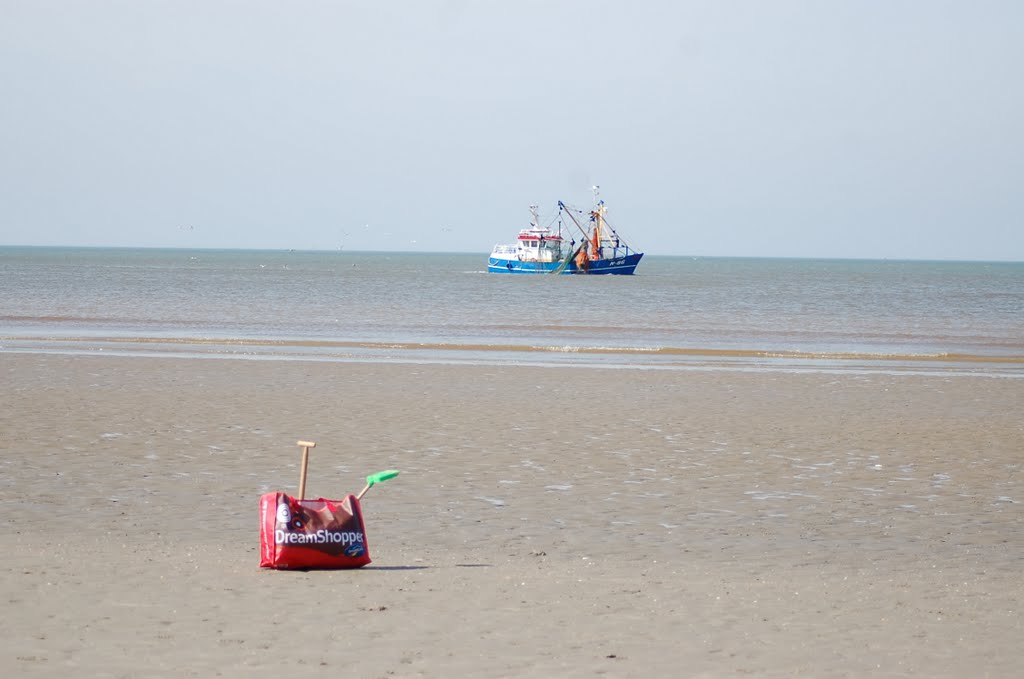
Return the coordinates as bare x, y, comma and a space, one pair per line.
374, 479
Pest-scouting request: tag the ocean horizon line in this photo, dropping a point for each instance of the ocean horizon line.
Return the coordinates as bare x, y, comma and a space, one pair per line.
647, 255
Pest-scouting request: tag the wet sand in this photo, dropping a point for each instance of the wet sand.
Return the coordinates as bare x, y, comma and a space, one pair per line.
573, 522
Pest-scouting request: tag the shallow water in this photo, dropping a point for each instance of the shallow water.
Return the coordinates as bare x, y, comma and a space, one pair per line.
677, 312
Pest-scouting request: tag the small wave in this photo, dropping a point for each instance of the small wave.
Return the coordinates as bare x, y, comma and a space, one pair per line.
649, 357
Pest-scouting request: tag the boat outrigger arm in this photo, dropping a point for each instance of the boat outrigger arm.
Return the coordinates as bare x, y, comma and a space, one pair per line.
580, 254
563, 208
595, 237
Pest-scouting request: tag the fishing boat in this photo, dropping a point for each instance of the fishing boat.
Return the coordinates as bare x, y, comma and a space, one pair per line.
543, 250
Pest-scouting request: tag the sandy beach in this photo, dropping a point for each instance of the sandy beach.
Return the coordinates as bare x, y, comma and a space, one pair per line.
547, 523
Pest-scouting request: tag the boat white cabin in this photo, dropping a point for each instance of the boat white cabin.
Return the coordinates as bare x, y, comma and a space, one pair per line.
534, 244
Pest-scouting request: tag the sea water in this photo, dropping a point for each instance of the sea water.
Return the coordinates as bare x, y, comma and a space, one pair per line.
675, 313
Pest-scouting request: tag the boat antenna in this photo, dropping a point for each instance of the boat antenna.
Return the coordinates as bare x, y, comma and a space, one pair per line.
597, 192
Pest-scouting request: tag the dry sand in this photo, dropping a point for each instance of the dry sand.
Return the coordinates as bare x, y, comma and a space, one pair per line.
547, 523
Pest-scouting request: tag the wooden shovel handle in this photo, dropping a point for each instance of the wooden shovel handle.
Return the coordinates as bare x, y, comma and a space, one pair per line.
306, 445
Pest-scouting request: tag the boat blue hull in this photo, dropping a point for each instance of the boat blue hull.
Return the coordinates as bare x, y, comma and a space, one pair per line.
624, 266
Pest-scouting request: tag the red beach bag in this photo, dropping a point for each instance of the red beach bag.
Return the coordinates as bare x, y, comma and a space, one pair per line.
297, 534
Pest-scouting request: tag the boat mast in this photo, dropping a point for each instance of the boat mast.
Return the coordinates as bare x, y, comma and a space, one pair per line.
597, 216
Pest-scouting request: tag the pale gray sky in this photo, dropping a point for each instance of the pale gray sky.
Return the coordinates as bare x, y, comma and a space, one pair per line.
789, 128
